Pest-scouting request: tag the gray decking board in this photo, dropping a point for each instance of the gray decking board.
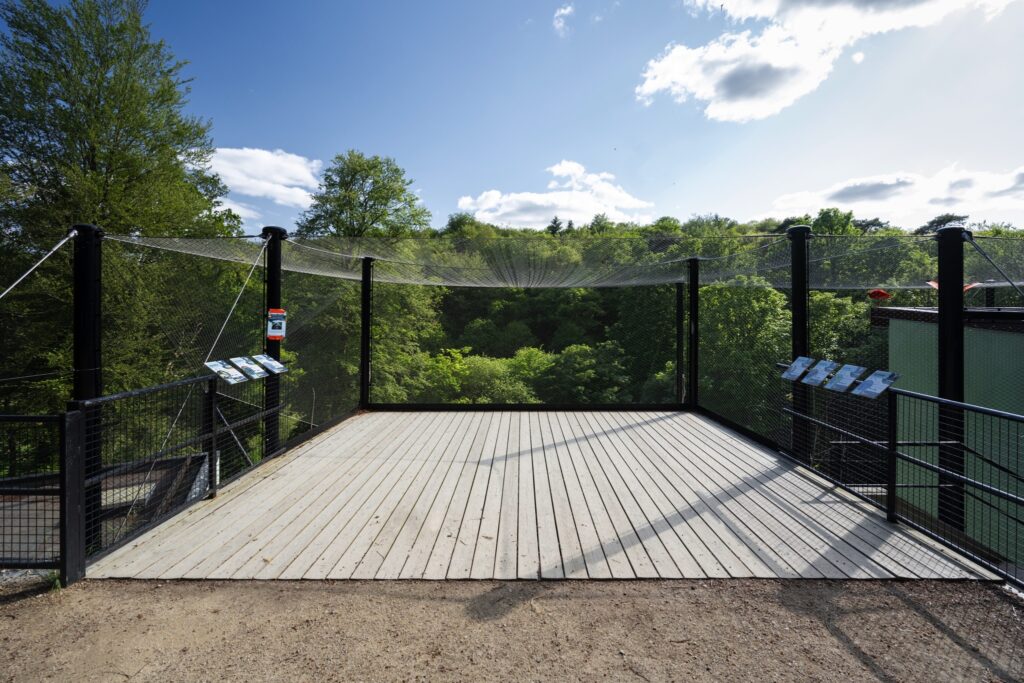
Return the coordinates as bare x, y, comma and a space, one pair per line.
445, 495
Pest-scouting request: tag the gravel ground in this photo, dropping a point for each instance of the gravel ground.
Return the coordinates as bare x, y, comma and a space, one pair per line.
638, 630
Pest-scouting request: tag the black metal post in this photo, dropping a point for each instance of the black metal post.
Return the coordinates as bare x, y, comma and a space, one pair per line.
990, 296
88, 362
364, 338
892, 463
951, 371
209, 426
801, 333
693, 343
272, 384
72, 498
680, 344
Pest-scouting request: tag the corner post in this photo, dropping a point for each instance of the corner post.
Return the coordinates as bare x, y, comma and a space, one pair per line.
272, 383
951, 371
693, 342
209, 429
366, 310
680, 344
892, 463
72, 498
88, 362
801, 333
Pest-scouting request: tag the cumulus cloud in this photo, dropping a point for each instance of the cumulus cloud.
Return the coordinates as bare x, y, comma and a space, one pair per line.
911, 199
561, 19
245, 211
279, 176
755, 73
573, 194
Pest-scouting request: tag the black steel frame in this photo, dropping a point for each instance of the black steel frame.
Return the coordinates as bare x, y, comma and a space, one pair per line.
79, 487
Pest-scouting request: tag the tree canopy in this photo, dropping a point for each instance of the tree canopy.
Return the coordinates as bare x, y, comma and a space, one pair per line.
360, 195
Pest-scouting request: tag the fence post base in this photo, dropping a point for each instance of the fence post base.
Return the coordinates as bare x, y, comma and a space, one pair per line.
72, 498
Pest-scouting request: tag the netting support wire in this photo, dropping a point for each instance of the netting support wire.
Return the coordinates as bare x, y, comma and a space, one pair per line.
969, 238
799, 264
38, 263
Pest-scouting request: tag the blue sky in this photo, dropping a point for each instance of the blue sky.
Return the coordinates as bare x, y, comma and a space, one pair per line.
516, 111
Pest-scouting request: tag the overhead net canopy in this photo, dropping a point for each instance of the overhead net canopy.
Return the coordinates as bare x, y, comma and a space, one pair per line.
529, 262
572, 261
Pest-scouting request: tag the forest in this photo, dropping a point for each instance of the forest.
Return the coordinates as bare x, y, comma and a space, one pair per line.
96, 129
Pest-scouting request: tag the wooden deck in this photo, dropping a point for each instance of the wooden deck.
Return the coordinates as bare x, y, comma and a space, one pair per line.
527, 495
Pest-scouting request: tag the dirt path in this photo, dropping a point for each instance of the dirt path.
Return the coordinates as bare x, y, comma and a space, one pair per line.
736, 630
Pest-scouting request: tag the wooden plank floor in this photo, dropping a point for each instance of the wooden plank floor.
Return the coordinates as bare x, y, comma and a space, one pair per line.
506, 495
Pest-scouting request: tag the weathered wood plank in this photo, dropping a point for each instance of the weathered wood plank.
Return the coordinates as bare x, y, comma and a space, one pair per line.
415, 563
632, 547
528, 546
506, 556
548, 548
527, 495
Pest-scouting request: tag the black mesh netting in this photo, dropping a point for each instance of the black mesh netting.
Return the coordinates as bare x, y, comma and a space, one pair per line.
552, 346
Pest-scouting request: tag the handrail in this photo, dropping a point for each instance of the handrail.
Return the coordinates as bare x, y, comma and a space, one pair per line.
135, 393
994, 412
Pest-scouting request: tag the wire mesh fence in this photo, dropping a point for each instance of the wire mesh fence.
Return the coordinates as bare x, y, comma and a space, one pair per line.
30, 448
744, 331
149, 453
579, 346
961, 478
952, 470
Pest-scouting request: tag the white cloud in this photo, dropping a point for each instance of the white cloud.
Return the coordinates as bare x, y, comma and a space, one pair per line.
910, 199
857, 57
561, 18
279, 176
573, 194
755, 73
245, 211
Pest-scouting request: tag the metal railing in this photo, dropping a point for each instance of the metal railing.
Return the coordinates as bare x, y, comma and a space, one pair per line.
152, 452
951, 470
40, 505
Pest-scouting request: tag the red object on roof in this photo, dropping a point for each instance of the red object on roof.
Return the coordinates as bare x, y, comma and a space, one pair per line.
879, 295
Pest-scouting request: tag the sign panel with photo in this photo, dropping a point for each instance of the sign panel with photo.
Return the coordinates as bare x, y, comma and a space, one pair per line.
820, 372
875, 383
225, 371
270, 364
845, 377
797, 368
251, 369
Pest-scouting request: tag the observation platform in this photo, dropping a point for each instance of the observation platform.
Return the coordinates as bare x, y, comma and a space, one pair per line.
528, 495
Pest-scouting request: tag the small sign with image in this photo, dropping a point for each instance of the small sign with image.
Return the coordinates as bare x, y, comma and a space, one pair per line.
270, 364
875, 384
797, 368
820, 372
251, 369
225, 371
845, 377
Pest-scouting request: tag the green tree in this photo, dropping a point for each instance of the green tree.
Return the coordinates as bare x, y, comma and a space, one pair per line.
834, 222
93, 129
555, 226
586, 374
360, 195
941, 221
